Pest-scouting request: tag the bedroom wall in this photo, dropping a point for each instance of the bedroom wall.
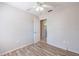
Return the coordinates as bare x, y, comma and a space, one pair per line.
16, 28
63, 28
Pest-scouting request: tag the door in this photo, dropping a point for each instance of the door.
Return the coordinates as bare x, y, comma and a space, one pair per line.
36, 31
43, 30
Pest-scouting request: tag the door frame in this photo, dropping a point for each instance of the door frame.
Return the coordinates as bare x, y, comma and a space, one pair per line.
42, 24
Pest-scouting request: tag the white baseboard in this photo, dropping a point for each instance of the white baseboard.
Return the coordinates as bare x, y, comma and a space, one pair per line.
15, 49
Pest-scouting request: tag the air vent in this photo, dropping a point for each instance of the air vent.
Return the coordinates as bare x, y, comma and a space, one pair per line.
50, 10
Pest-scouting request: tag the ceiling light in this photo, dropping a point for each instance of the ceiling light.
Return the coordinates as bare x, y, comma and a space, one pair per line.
44, 5
39, 9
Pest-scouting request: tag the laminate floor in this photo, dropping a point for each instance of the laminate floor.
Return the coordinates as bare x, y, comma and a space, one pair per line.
40, 49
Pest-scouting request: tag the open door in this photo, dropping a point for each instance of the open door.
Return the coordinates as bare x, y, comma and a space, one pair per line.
43, 30
36, 31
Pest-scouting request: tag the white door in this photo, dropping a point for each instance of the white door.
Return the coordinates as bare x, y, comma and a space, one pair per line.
36, 30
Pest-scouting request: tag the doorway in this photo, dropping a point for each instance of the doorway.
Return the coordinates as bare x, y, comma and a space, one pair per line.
43, 30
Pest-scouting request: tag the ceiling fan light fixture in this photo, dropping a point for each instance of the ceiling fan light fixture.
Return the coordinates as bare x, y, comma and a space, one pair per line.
39, 9
44, 5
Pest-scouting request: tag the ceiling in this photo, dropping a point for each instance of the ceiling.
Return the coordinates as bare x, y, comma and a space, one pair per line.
26, 5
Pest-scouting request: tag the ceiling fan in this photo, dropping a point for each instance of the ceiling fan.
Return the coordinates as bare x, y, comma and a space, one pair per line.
40, 6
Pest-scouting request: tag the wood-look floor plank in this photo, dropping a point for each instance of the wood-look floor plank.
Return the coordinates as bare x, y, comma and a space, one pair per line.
40, 49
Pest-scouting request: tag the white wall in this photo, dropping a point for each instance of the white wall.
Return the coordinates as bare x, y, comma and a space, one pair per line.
16, 28
63, 28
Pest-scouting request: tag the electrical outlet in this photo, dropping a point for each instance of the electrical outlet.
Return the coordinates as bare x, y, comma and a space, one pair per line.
66, 44
65, 41
17, 41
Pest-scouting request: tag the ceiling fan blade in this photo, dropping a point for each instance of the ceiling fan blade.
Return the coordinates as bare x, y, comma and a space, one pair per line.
29, 9
46, 6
